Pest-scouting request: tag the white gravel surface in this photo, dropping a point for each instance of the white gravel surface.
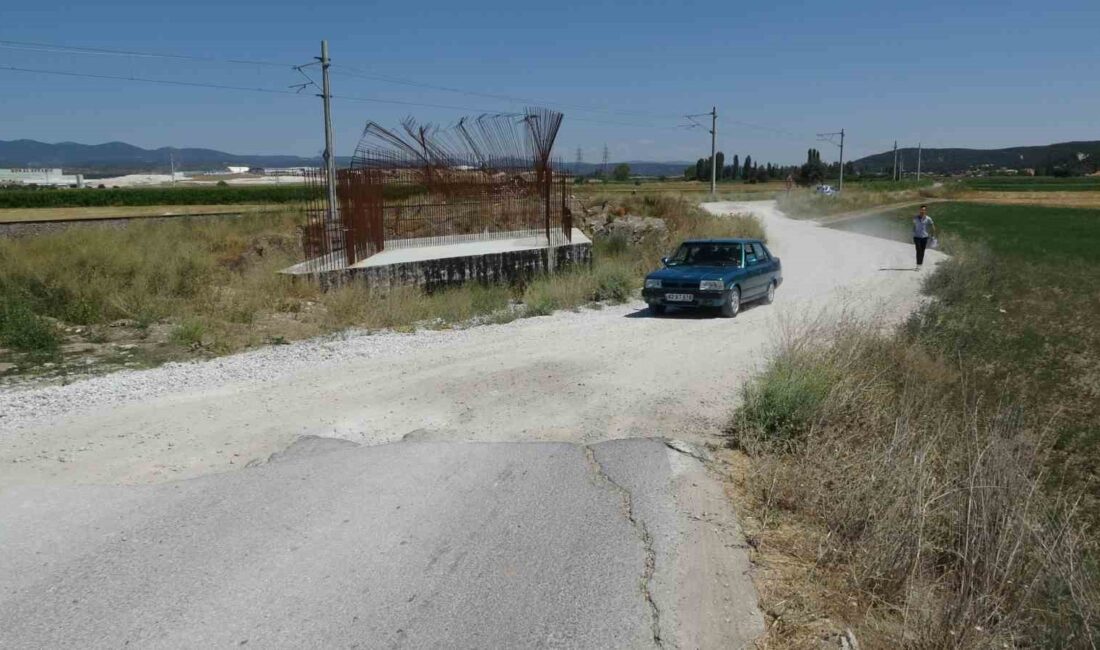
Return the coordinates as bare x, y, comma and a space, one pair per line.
583, 377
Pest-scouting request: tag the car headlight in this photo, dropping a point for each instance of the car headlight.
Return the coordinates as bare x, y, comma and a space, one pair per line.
712, 285
652, 284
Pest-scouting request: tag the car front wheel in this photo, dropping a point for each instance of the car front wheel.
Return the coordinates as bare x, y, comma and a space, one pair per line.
657, 310
732, 304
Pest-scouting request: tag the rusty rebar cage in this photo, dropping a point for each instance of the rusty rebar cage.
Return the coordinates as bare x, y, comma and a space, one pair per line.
489, 178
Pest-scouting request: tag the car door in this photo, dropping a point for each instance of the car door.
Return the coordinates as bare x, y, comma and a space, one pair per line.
756, 271
769, 267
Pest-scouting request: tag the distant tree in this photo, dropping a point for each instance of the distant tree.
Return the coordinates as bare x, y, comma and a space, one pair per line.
760, 175
719, 164
813, 171
735, 168
621, 172
746, 172
700, 167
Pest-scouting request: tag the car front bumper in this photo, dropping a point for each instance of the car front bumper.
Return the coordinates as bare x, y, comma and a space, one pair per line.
698, 298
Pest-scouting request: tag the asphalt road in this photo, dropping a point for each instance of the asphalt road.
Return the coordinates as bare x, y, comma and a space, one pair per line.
405, 545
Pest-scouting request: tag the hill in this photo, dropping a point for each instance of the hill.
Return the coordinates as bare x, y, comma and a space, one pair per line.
1080, 156
118, 157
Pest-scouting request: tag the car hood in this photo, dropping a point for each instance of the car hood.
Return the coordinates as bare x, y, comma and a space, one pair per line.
685, 273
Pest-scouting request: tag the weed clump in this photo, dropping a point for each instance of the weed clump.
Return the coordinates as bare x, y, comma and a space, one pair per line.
23, 330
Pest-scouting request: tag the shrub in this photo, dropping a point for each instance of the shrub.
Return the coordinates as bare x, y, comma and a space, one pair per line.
21, 329
782, 404
189, 333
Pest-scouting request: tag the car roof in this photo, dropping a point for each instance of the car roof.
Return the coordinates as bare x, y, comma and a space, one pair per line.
731, 240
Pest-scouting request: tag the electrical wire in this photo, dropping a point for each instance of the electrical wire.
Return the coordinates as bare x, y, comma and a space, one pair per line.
355, 72
68, 49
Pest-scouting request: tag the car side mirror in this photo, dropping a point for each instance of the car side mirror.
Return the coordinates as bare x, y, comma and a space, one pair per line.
664, 261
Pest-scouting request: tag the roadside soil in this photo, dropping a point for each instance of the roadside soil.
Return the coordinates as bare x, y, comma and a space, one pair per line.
581, 377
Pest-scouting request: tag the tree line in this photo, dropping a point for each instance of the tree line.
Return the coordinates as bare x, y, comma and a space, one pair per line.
811, 172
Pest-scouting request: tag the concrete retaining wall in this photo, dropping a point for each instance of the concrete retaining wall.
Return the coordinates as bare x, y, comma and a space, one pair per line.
511, 266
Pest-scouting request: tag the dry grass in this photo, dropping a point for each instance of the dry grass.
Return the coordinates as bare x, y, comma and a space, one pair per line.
201, 287
900, 493
806, 204
1051, 199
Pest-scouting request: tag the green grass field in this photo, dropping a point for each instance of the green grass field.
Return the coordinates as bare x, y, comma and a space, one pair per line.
1043, 235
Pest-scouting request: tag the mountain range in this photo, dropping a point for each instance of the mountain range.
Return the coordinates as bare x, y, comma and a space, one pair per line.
1082, 156
120, 157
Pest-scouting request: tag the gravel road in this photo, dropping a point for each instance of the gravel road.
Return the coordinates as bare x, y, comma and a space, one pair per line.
369, 488
582, 377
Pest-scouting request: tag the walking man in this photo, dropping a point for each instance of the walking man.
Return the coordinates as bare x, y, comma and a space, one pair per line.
922, 226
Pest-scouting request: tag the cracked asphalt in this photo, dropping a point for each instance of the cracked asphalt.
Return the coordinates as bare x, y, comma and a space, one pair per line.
411, 544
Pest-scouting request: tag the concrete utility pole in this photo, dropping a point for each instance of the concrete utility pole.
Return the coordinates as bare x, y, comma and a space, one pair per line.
895, 170
329, 156
713, 143
918, 161
828, 137
841, 188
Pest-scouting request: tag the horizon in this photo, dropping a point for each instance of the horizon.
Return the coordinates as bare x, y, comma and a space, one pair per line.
943, 76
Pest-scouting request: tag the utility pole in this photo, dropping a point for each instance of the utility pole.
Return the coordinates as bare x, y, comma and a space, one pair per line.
329, 156
918, 161
841, 188
172, 164
713, 143
895, 170
606, 159
713, 140
828, 137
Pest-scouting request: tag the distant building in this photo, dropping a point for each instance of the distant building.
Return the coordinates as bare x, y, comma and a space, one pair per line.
288, 171
40, 176
237, 170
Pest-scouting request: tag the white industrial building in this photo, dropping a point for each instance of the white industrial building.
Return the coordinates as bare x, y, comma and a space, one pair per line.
40, 176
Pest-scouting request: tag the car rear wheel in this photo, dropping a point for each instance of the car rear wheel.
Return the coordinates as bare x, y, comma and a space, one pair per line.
769, 297
732, 304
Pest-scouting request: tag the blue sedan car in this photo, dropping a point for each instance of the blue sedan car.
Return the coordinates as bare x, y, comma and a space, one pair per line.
722, 273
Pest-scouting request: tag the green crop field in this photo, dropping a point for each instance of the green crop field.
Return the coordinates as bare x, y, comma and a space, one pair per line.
140, 196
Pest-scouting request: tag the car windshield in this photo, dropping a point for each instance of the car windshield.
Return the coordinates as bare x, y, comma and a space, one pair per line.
707, 255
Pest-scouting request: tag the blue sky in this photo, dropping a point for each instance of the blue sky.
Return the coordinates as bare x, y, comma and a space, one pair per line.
975, 74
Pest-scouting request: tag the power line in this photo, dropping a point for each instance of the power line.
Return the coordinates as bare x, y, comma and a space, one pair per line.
69, 49
276, 91
170, 82
354, 72
343, 69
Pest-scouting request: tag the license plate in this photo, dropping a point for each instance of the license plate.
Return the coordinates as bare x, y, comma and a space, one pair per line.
679, 297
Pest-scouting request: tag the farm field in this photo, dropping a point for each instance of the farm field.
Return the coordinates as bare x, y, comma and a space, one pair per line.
151, 196
1034, 184
23, 215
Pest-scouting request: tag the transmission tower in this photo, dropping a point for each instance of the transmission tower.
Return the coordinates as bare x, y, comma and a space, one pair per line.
606, 159
580, 160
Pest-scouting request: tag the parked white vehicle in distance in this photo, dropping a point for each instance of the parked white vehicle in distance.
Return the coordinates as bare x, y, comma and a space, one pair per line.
827, 190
